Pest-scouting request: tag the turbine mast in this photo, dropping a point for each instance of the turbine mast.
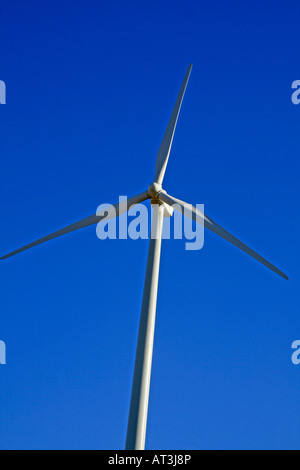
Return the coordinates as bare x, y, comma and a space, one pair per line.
137, 421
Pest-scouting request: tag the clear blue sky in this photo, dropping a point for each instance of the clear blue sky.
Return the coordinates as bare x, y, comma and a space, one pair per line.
90, 89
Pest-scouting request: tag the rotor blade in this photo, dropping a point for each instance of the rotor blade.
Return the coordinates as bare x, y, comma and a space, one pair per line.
165, 146
120, 208
200, 217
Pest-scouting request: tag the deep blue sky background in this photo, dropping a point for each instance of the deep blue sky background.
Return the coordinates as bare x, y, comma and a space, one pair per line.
90, 89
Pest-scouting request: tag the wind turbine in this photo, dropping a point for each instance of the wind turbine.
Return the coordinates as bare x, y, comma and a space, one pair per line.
162, 204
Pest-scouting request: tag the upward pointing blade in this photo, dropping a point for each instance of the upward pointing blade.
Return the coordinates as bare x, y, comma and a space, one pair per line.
120, 208
193, 213
165, 146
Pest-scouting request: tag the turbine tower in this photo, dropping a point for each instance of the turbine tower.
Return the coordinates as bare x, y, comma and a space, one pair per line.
162, 204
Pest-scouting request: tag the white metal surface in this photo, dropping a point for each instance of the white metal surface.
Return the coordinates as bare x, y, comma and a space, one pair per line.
120, 208
198, 216
166, 143
137, 421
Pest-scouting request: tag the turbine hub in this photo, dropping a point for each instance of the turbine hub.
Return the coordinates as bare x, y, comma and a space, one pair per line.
153, 190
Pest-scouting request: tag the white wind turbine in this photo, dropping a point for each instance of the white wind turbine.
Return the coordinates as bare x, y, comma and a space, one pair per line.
162, 206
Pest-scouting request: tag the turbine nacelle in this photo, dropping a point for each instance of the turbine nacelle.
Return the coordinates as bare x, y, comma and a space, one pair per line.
153, 191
